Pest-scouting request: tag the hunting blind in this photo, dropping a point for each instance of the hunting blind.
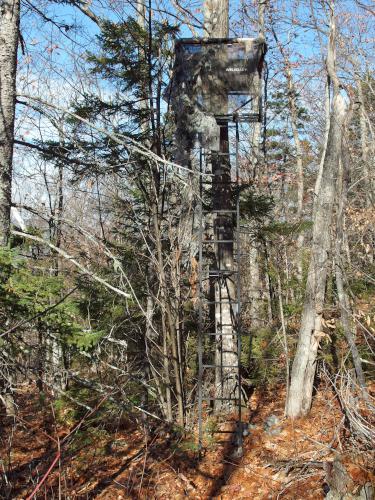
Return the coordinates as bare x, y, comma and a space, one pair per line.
215, 94
220, 76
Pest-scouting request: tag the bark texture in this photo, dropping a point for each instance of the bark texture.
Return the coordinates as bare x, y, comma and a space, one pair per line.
310, 334
369, 191
9, 33
343, 299
216, 18
254, 271
304, 364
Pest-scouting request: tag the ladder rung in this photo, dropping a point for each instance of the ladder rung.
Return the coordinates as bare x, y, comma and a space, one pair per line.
218, 275
209, 183
213, 223
217, 241
221, 432
242, 118
213, 226
219, 211
213, 272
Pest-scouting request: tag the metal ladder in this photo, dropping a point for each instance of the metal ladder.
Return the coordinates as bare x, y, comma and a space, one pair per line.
216, 286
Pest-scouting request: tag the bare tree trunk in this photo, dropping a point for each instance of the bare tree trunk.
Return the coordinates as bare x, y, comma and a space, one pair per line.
59, 212
255, 287
285, 337
299, 163
369, 185
170, 322
304, 365
255, 140
216, 18
216, 24
268, 284
293, 109
148, 334
347, 323
9, 33
168, 394
327, 109
55, 347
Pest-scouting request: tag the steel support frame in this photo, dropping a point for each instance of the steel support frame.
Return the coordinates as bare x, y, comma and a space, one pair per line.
202, 300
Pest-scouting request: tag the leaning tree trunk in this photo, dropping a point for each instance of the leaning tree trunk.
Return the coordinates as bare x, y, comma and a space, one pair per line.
9, 30
304, 365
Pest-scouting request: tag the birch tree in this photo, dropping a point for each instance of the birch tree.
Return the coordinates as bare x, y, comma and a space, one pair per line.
9, 33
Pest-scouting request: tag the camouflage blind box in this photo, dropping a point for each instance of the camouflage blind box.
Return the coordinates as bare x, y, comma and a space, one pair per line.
220, 76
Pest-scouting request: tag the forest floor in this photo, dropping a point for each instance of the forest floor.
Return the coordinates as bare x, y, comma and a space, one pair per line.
288, 461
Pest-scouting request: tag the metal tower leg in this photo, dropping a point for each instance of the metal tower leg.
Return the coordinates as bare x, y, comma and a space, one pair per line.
238, 319
229, 280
